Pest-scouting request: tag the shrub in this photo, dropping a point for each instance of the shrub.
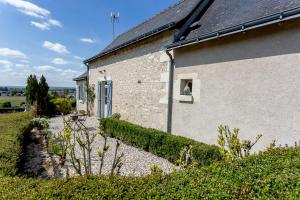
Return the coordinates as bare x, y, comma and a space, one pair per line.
273, 174
73, 103
160, 143
62, 105
22, 104
5, 104
14, 128
40, 123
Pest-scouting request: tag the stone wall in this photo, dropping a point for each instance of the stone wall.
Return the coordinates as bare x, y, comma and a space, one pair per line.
249, 81
138, 74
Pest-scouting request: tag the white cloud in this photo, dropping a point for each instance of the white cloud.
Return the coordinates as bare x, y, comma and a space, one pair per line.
46, 25
34, 10
59, 48
55, 76
11, 53
54, 22
32, 14
28, 8
5, 66
47, 68
21, 66
59, 61
24, 61
78, 58
43, 26
87, 40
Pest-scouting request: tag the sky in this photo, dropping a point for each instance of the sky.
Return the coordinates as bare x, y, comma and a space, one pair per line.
53, 37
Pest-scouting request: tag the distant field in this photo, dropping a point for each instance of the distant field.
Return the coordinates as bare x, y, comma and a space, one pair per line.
15, 101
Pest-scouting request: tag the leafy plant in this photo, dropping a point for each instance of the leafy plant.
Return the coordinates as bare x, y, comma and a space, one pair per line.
40, 123
231, 146
61, 144
186, 159
62, 105
116, 116
156, 170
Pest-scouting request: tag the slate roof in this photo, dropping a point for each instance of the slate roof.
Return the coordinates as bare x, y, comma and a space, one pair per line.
81, 77
165, 20
227, 13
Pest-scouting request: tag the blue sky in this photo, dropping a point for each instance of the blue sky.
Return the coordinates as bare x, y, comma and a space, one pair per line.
52, 37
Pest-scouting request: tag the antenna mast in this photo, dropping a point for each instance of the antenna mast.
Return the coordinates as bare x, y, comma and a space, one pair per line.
114, 19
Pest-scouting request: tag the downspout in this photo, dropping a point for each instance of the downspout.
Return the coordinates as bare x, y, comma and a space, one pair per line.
170, 93
87, 85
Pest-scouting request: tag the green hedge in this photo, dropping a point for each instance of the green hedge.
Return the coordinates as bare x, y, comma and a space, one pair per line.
5, 104
13, 132
271, 175
160, 143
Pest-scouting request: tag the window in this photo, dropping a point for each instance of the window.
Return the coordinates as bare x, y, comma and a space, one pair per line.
81, 92
186, 87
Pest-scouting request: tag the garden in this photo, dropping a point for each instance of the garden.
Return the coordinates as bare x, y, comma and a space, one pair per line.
272, 174
78, 157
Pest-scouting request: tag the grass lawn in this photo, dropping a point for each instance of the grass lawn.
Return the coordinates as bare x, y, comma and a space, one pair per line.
15, 101
11, 126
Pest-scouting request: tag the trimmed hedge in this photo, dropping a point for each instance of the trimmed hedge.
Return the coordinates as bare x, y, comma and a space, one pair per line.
14, 129
274, 174
160, 143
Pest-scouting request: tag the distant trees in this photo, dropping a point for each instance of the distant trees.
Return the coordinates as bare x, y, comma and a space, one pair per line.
37, 94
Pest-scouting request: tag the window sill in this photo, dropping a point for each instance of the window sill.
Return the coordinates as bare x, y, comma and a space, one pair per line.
186, 98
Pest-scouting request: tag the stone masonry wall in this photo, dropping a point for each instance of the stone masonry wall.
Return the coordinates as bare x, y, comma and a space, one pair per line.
138, 74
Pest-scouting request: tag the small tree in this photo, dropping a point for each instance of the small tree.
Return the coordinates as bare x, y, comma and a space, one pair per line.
31, 89
37, 94
42, 95
231, 146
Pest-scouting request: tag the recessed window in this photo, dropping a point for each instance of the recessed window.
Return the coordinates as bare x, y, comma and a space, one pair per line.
81, 92
186, 87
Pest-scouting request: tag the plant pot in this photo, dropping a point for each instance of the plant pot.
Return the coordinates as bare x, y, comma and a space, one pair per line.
38, 139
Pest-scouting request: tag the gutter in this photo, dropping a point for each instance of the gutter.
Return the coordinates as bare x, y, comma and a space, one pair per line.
170, 92
87, 85
246, 26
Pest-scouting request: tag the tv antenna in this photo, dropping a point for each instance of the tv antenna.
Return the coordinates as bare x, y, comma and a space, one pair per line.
114, 19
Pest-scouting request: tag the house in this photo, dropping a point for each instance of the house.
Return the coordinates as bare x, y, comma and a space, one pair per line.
199, 64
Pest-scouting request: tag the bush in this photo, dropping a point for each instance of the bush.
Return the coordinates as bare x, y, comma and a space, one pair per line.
273, 174
160, 143
13, 130
62, 105
22, 104
73, 103
5, 104
39, 123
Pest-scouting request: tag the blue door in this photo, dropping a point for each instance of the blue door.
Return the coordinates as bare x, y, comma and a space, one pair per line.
99, 98
109, 98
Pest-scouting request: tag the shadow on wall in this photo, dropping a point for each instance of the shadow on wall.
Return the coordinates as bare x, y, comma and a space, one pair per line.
274, 40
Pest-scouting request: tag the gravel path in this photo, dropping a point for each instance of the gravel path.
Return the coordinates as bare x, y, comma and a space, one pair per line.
136, 162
